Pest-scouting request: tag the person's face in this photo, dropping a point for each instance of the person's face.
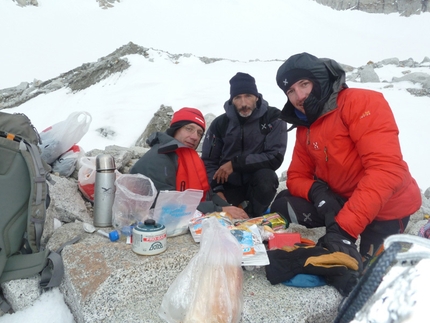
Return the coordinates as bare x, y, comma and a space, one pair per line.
245, 104
190, 135
298, 93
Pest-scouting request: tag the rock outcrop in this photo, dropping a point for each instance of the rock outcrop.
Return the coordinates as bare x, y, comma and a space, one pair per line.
85, 75
404, 7
89, 74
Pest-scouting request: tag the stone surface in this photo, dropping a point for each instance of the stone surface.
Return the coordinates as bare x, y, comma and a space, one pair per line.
160, 122
368, 74
404, 7
106, 281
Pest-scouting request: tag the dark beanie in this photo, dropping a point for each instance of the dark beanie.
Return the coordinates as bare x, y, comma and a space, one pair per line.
242, 83
184, 116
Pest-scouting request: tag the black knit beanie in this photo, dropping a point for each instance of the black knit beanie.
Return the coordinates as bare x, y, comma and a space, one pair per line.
242, 83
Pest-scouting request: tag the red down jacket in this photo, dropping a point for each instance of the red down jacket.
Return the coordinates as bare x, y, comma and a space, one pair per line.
355, 149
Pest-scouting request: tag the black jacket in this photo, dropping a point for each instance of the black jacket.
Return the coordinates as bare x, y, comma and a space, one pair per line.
244, 144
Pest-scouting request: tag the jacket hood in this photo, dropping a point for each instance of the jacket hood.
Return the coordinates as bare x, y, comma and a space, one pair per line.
328, 80
166, 143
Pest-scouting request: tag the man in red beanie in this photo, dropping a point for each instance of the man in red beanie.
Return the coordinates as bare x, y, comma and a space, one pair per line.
244, 147
173, 164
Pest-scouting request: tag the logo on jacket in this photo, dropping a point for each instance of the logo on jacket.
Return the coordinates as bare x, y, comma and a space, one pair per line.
365, 114
307, 217
316, 147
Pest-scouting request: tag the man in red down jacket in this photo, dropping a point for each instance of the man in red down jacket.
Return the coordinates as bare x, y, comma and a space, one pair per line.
347, 171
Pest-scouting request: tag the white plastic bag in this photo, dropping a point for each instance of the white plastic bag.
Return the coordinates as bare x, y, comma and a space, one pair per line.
60, 137
174, 209
134, 196
209, 289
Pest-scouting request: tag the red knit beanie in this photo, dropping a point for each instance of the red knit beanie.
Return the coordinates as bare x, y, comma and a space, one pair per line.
189, 114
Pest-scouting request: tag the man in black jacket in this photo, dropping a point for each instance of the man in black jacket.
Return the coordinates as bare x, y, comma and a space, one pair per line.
244, 147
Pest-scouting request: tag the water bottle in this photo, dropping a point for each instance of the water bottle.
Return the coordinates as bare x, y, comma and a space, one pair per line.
104, 190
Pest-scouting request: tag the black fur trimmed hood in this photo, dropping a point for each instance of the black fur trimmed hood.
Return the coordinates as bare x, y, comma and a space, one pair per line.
327, 76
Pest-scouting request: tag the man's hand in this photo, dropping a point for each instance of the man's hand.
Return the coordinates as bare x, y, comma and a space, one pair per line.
337, 239
327, 203
221, 175
235, 212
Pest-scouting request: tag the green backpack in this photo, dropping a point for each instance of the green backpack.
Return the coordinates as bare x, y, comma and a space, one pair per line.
23, 200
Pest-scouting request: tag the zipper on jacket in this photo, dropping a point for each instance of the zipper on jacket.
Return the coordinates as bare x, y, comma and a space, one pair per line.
326, 154
242, 138
308, 139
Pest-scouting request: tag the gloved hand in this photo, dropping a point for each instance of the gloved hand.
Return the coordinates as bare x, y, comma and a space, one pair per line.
327, 203
337, 239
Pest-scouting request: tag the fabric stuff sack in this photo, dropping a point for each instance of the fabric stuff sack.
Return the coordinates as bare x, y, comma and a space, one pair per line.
66, 164
23, 202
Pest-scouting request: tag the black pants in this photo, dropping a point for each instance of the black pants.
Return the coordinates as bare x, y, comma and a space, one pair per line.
258, 189
299, 210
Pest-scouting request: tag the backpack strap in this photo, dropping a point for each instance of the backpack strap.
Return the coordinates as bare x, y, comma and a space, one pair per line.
4, 305
39, 191
272, 114
52, 274
49, 263
24, 265
221, 126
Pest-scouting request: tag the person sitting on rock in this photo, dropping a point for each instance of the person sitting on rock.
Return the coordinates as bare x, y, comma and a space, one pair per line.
172, 163
244, 147
347, 171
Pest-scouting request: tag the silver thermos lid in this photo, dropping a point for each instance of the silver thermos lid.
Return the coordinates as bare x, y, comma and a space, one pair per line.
105, 162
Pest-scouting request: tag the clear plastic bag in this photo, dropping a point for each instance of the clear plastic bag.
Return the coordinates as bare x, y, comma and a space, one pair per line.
174, 209
60, 137
87, 177
134, 196
209, 289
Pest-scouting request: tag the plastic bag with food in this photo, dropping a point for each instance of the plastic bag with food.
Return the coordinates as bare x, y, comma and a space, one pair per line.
209, 289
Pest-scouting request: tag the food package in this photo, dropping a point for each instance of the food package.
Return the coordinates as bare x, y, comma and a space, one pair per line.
209, 289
